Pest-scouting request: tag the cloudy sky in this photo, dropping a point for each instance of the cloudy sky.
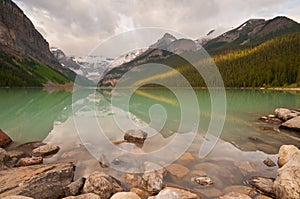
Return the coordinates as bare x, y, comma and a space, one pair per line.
78, 26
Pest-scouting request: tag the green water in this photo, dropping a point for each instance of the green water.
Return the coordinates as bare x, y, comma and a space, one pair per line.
35, 114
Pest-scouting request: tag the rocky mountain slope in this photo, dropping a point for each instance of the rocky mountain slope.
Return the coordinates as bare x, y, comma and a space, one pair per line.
254, 31
25, 58
257, 53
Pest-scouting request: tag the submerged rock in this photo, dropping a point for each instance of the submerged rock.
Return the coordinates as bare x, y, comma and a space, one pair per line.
4, 159
29, 161
203, 180
135, 136
45, 150
37, 181
177, 170
285, 153
270, 120
287, 182
269, 162
102, 184
292, 124
234, 195
263, 184
5, 140
29, 146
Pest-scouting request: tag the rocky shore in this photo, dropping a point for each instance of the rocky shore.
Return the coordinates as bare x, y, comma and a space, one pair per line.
23, 175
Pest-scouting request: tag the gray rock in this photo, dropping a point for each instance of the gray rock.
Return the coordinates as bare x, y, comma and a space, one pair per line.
285, 153
29, 161
102, 184
287, 182
4, 159
45, 150
84, 196
37, 181
269, 162
135, 136
234, 195
125, 195
263, 184
203, 180
74, 188
152, 179
292, 124
172, 191
283, 113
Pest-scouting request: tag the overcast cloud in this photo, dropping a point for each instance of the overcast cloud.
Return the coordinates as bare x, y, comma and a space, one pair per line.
77, 26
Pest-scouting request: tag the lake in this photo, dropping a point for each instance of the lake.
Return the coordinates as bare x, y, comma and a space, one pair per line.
82, 124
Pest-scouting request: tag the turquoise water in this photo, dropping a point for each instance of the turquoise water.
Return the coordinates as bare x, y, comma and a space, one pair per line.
35, 114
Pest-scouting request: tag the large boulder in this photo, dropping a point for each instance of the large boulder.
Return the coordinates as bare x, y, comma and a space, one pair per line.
102, 184
37, 181
5, 140
292, 124
287, 182
285, 154
284, 114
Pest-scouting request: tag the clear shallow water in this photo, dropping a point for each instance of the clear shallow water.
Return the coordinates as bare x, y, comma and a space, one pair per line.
34, 114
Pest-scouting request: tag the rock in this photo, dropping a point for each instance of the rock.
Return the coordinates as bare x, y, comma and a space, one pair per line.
37, 181
45, 150
210, 192
292, 124
103, 161
29, 161
187, 157
166, 194
182, 193
263, 184
29, 146
131, 179
135, 136
17, 197
287, 182
234, 195
125, 195
4, 159
203, 180
177, 170
140, 192
84, 196
246, 167
238, 188
5, 140
16, 154
270, 120
269, 162
263, 197
74, 188
102, 184
152, 179
283, 113
271, 116
285, 153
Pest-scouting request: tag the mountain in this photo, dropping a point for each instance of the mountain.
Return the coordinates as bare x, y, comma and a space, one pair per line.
257, 53
25, 58
254, 32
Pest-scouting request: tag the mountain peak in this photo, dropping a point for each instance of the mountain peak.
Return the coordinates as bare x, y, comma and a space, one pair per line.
164, 42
